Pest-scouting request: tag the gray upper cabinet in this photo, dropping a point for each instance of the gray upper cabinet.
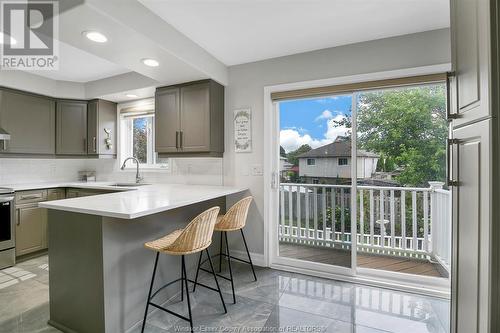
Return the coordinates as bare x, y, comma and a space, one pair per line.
195, 116
101, 130
470, 56
189, 119
71, 127
167, 120
30, 119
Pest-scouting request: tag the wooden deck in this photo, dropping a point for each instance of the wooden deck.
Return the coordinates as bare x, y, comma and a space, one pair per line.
343, 258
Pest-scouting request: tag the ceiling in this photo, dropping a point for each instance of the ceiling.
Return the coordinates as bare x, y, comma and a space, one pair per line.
197, 39
77, 65
241, 31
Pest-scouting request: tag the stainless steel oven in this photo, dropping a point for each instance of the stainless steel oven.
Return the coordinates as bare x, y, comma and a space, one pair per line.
7, 237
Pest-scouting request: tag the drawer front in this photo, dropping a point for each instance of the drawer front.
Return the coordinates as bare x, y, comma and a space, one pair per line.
56, 194
25, 197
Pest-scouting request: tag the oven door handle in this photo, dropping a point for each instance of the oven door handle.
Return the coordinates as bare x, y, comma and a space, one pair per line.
6, 199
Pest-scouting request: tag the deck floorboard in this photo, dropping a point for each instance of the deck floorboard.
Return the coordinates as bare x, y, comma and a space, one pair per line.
343, 258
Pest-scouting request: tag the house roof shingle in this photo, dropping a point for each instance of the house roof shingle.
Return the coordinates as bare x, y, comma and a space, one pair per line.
341, 147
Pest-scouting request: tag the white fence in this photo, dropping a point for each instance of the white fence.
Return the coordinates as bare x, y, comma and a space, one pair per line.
395, 221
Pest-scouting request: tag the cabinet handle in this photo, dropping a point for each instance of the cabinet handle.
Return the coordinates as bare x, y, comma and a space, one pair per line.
449, 180
94, 144
180, 139
18, 217
449, 116
177, 139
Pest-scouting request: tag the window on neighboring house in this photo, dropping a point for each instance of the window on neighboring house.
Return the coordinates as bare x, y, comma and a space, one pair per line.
315, 181
137, 133
342, 161
311, 161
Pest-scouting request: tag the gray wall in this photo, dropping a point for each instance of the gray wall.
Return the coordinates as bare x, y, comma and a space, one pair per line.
246, 89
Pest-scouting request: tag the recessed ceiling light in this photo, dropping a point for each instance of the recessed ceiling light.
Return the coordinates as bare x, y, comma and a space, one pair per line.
3, 38
95, 36
150, 62
131, 95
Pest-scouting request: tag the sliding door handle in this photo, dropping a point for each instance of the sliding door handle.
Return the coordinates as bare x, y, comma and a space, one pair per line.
449, 115
449, 177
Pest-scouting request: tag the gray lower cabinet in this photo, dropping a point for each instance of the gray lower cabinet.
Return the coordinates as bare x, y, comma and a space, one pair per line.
31, 229
189, 119
101, 128
30, 120
71, 127
31, 222
56, 194
78, 192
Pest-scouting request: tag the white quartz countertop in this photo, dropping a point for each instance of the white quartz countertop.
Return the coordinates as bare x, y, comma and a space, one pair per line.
139, 201
83, 185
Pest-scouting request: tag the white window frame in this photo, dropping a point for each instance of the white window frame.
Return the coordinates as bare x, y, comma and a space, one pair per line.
313, 162
125, 147
343, 158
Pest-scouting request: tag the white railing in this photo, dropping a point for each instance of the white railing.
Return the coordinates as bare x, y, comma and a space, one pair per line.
396, 221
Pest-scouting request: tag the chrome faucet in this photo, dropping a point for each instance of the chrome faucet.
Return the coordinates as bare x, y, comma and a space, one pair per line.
138, 177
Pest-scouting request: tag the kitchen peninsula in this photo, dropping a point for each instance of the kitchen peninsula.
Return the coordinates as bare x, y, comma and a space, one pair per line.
99, 269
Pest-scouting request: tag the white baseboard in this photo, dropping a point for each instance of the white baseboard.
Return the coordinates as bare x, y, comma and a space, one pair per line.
257, 258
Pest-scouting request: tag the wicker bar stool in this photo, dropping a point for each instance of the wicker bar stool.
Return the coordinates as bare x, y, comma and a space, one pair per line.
196, 237
234, 220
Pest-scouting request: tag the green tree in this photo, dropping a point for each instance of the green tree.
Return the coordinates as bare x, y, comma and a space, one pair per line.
282, 152
292, 156
408, 128
140, 139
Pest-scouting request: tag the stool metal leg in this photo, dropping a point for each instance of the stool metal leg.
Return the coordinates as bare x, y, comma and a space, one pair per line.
216, 282
248, 253
230, 270
197, 271
187, 292
220, 252
150, 291
182, 284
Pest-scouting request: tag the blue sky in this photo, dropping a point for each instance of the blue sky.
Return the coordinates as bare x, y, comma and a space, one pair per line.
310, 121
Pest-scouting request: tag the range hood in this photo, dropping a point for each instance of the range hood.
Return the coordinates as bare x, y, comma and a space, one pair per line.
4, 135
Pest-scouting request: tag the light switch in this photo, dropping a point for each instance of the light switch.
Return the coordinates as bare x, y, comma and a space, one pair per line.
257, 170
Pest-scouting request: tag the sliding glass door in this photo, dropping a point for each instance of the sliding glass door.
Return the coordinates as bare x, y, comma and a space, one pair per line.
361, 183
404, 209
315, 180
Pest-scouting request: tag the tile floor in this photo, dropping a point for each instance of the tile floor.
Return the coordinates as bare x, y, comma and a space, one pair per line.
277, 302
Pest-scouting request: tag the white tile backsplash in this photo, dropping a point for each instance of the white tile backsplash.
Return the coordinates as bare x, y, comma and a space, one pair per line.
206, 171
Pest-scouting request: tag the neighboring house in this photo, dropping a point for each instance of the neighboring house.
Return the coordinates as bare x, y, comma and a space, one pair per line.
285, 167
331, 163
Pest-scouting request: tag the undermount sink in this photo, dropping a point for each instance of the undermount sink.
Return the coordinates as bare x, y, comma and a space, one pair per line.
128, 184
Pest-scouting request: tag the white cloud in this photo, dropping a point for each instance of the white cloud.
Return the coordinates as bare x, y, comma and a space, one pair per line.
333, 131
327, 114
291, 138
